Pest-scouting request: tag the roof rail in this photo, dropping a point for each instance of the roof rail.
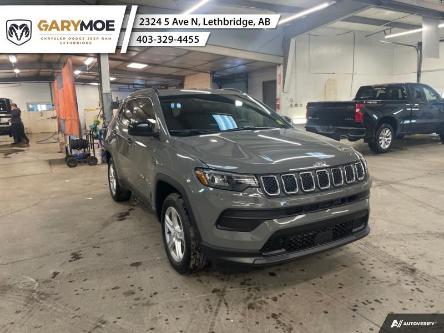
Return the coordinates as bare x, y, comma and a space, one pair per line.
233, 89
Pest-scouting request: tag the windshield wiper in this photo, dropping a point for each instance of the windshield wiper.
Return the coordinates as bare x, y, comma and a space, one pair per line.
190, 131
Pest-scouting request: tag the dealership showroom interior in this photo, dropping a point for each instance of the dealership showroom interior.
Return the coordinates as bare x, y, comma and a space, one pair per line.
279, 168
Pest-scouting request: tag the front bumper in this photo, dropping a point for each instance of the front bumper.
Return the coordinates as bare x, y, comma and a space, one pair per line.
299, 241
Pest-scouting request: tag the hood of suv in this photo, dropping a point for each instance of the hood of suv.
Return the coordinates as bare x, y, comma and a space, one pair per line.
265, 151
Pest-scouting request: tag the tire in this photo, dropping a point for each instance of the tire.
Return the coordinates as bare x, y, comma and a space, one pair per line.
441, 136
71, 162
189, 259
118, 192
383, 139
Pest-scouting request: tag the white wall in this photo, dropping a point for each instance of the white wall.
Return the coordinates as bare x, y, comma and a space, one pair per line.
333, 66
88, 101
432, 69
23, 93
256, 78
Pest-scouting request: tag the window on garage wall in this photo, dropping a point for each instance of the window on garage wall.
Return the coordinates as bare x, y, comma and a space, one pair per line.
40, 106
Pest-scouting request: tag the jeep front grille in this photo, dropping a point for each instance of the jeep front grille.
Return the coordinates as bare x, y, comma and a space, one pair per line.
313, 180
307, 181
349, 174
290, 183
338, 179
271, 185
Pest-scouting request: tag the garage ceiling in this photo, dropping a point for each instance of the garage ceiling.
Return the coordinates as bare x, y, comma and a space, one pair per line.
168, 66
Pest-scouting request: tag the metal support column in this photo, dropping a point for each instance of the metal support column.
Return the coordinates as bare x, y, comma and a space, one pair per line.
419, 62
105, 87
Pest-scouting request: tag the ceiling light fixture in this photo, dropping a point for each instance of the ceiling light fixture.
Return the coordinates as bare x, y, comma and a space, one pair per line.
89, 61
409, 32
112, 78
404, 33
195, 7
16, 70
77, 72
136, 65
307, 12
13, 59
94, 83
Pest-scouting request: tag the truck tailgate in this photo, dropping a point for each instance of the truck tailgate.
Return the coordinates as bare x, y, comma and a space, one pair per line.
335, 114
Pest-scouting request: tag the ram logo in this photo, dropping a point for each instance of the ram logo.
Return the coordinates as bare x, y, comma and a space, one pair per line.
18, 31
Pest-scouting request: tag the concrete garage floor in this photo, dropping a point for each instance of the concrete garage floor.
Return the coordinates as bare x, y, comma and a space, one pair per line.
72, 260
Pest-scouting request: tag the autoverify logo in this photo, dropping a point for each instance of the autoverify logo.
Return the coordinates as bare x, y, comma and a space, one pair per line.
401, 323
413, 323
18, 32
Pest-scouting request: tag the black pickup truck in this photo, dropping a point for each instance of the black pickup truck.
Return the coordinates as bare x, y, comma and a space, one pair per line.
379, 114
5, 116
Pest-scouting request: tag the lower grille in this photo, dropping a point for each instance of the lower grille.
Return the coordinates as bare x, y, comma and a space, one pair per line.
306, 237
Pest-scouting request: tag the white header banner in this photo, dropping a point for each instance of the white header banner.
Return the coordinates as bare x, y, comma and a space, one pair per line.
206, 21
60, 29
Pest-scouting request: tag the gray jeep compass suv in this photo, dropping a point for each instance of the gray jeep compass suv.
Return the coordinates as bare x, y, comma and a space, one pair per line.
231, 179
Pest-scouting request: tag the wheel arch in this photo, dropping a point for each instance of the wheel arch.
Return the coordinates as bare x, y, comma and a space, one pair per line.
391, 121
165, 185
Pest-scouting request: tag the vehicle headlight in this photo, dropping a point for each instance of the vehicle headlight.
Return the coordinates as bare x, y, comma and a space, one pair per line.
226, 180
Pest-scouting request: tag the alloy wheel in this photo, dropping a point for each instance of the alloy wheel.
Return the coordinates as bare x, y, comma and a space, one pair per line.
174, 234
112, 179
385, 138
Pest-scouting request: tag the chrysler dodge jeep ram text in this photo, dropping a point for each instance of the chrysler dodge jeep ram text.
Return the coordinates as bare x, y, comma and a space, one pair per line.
379, 114
230, 179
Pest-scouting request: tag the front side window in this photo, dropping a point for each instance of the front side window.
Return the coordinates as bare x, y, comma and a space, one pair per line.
143, 111
139, 110
126, 113
430, 94
202, 113
419, 94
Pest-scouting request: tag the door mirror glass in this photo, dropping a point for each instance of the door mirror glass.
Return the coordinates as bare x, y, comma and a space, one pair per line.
142, 129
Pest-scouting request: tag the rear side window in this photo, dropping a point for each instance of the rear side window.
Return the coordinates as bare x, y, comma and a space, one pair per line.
385, 93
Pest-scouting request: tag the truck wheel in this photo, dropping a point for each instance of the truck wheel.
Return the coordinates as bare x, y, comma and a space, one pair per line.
180, 237
118, 192
383, 139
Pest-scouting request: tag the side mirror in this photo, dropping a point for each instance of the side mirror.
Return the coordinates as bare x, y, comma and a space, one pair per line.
288, 119
142, 129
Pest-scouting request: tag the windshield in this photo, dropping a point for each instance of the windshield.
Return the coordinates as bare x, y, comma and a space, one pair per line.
202, 113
